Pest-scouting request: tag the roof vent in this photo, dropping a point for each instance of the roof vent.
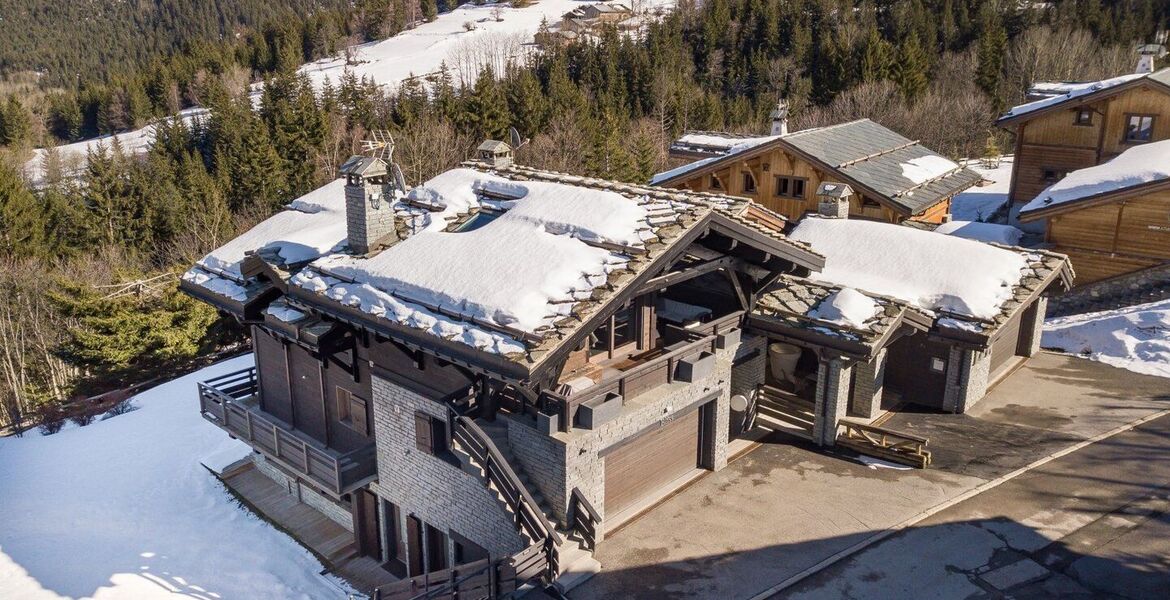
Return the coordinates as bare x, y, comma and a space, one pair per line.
833, 200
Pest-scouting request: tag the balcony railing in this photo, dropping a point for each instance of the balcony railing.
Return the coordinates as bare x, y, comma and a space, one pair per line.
230, 402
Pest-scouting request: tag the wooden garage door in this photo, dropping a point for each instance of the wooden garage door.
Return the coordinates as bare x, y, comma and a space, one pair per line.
646, 464
1004, 347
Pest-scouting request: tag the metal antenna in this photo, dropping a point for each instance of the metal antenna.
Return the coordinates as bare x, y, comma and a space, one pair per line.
380, 144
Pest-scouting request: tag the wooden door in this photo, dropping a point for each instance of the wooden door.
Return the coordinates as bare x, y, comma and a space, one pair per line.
366, 528
305, 381
642, 466
395, 542
414, 546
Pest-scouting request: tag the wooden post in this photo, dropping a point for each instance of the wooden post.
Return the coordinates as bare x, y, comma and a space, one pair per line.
275, 441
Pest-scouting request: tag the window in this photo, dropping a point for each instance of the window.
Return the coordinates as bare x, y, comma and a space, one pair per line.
351, 410
430, 434
619, 331
1139, 128
749, 183
867, 202
938, 365
715, 183
1052, 175
790, 187
1084, 117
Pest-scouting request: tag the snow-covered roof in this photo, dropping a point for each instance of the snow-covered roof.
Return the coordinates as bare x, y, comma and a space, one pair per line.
962, 280
1058, 93
873, 159
1136, 166
982, 232
558, 248
980, 202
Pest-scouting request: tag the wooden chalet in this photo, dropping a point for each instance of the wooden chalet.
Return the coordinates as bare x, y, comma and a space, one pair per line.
1069, 126
514, 362
896, 178
1112, 219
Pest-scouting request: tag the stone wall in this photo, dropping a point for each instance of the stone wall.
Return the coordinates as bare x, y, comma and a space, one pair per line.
305, 492
429, 487
967, 378
832, 400
1032, 325
1146, 285
748, 371
868, 384
365, 224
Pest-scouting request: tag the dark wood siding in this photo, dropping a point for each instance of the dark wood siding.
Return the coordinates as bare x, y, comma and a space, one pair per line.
305, 381
435, 379
1006, 345
909, 370
273, 372
352, 433
646, 464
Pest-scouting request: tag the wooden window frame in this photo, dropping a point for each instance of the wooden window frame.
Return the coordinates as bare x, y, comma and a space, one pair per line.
1125, 139
792, 182
745, 177
714, 183
612, 349
432, 437
1087, 122
1057, 174
352, 410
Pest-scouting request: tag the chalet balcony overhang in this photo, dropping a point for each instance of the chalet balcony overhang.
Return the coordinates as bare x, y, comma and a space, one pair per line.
230, 402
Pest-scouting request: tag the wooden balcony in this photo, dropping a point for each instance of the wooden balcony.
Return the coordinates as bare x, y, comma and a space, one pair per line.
230, 402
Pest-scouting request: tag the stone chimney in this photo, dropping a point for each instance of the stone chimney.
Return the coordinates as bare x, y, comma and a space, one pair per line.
780, 118
369, 203
495, 153
1148, 54
833, 200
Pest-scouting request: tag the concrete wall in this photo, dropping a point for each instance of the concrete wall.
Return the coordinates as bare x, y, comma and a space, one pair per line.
432, 489
305, 493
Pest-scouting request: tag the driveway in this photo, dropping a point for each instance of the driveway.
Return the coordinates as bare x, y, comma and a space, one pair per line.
785, 507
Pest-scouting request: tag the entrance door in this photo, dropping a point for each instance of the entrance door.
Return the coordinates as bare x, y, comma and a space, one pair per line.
639, 468
365, 524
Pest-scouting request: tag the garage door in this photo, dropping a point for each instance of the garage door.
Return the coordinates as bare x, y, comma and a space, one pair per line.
641, 467
1004, 347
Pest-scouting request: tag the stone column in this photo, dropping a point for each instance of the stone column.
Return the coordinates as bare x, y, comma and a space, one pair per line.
832, 400
868, 384
967, 375
1032, 325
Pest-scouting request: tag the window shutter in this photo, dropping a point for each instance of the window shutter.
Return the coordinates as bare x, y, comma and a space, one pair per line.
438, 436
423, 437
344, 400
357, 412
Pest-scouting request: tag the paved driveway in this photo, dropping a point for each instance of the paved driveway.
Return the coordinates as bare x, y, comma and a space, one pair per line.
783, 507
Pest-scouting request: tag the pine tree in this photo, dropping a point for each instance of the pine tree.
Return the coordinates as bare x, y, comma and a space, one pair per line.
910, 70
527, 102
991, 54
876, 58
430, 9
645, 159
486, 113
15, 123
22, 219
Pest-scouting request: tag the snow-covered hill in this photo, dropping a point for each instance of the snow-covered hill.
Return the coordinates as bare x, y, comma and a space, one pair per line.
124, 509
1135, 338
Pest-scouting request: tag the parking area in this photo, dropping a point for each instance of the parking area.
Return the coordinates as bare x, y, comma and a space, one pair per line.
784, 506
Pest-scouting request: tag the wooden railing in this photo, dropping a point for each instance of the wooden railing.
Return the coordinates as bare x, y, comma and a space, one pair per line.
583, 519
895, 446
645, 376
485, 579
228, 401
497, 472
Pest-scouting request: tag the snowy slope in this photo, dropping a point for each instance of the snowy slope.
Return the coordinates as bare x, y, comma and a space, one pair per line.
423, 49
123, 509
978, 203
73, 156
1135, 338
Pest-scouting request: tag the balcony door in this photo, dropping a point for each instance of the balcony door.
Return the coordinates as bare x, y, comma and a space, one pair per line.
305, 382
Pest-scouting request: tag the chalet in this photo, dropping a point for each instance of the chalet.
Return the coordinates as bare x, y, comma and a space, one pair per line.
482, 375
895, 178
1070, 126
1113, 218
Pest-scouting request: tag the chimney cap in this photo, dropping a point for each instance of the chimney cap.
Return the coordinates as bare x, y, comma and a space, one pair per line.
494, 146
364, 166
781, 110
834, 190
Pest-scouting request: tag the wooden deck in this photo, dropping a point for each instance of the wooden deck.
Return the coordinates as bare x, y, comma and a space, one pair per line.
333, 544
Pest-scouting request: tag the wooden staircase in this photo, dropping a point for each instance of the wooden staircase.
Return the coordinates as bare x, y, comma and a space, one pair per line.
575, 563
784, 412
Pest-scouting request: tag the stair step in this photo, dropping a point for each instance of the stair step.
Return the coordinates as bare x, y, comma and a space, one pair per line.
784, 426
796, 418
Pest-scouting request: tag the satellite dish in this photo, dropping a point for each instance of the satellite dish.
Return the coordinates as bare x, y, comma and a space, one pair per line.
515, 139
399, 180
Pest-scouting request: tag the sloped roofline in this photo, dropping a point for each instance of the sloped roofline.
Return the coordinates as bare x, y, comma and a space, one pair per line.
1106, 197
1010, 120
718, 163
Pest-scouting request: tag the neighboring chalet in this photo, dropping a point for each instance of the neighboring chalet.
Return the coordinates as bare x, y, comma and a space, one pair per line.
1113, 218
467, 373
895, 178
1070, 126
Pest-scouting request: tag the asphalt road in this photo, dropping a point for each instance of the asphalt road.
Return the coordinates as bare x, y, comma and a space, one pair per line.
1092, 524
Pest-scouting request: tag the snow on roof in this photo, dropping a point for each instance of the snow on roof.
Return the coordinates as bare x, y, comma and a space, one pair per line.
928, 270
925, 168
720, 141
982, 232
980, 202
1071, 91
1141, 164
721, 145
846, 306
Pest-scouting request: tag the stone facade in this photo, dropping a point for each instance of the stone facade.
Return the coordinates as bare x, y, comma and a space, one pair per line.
1033, 325
1147, 285
305, 493
967, 378
748, 371
365, 225
436, 491
832, 400
558, 463
868, 385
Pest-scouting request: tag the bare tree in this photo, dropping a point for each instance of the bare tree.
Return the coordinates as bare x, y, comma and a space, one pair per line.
1045, 54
